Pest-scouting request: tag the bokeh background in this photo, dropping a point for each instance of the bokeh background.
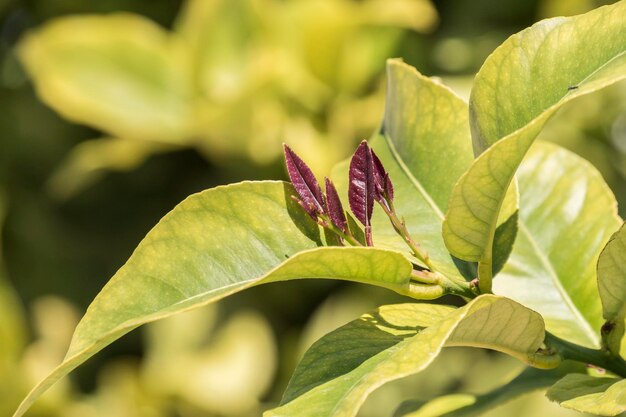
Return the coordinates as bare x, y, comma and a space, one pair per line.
113, 111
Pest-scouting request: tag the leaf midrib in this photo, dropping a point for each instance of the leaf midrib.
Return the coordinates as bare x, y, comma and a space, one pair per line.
547, 264
412, 178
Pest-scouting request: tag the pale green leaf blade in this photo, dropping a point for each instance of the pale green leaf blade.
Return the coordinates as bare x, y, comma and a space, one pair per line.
326, 391
214, 244
426, 125
542, 67
567, 213
612, 277
600, 396
532, 72
119, 73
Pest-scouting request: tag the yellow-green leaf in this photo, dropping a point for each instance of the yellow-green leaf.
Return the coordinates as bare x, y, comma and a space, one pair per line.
599, 396
426, 126
567, 213
524, 82
211, 245
400, 340
119, 73
612, 277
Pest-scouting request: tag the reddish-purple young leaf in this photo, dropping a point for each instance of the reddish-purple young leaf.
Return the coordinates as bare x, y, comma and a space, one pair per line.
382, 182
305, 183
361, 188
334, 207
388, 187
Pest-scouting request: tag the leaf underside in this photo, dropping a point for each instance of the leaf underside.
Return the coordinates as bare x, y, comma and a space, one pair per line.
396, 341
599, 396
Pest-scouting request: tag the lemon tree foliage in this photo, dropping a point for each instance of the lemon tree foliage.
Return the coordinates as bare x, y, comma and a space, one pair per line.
413, 212
524, 82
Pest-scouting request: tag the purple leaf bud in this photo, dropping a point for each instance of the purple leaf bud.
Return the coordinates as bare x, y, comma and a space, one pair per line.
382, 182
388, 187
334, 207
361, 189
303, 180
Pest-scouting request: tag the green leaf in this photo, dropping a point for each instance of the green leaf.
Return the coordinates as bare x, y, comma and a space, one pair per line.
422, 220
400, 340
426, 126
567, 213
468, 405
524, 82
612, 277
119, 73
214, 244
600, 396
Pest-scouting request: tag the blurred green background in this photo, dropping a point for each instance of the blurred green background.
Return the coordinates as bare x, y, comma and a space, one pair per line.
113, 111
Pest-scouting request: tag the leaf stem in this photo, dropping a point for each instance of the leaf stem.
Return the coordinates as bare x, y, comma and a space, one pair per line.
400, 227
595, 357
612, 332
325, 222
424, 291
485, 275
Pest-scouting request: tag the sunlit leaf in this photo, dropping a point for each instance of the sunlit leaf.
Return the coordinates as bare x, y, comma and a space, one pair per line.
119, 73
426, 125
567, 213
524, 82
599, 396
211, 245
400, 340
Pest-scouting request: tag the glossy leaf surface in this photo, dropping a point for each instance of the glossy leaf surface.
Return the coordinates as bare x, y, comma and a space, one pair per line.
400, 340
567, 213
426, 124
214, 244
599, 396
522, 84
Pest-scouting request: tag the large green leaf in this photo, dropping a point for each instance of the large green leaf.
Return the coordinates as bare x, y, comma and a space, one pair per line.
600, 396
567, 213
396, 341
119, 73
426, 126
524, 82
214, 244
612, 277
